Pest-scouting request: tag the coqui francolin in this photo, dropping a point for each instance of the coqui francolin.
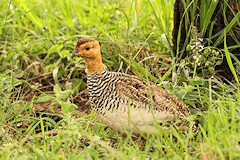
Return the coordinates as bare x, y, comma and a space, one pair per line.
125, 102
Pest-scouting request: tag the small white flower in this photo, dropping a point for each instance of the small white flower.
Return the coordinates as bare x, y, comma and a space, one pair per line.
192, 47
194, 57
196, 43
200, 39
200, 55
197, 59
201, 46
199, 63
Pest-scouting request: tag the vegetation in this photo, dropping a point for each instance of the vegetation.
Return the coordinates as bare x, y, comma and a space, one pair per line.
44, 114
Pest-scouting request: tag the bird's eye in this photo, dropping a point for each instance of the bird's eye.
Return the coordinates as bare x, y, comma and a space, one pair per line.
88, 48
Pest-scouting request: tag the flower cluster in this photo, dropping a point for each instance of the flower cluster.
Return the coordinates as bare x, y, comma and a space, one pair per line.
202, 59
196, 48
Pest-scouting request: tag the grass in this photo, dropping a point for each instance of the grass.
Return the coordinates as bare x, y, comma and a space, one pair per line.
40, 83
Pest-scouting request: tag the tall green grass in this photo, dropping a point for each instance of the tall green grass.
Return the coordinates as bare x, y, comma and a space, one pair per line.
37, 37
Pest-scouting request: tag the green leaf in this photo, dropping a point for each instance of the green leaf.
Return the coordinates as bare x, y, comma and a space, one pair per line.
227, 29
65, 107
167, 43
59, 47
61, 94
179, 92
219, 62
57, 89
65, 53
64, 94
207, 11
45, 97
166, 75
68, 107
135, 65
53, 49
229, 60
96, 127
197, 82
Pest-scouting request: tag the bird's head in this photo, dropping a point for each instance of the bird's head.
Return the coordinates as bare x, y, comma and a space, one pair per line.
89, 50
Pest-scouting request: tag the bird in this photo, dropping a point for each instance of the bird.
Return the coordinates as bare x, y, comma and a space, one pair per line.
127, 103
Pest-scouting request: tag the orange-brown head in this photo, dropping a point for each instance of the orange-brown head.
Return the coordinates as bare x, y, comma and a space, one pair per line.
89, 50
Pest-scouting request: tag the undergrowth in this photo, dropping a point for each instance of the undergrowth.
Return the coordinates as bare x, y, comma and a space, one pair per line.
44, 108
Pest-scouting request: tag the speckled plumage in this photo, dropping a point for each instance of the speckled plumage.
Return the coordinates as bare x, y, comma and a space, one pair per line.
123, 101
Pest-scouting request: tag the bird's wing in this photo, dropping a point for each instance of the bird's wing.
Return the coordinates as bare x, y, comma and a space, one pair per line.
139, 90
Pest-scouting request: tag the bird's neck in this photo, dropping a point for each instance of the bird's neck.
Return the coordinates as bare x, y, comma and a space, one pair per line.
94, 64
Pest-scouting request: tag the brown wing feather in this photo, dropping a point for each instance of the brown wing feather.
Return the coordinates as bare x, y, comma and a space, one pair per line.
138, 90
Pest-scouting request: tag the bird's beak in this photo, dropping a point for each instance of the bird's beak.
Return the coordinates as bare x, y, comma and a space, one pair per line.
74, 53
